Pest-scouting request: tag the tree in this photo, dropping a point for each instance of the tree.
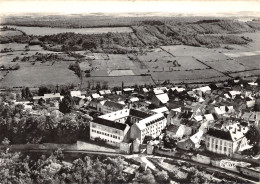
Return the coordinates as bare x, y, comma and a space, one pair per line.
66, 105
43, 90
162, 176
6, 142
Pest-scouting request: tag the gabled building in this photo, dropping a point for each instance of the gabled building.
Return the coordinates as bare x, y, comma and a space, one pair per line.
110, 106
226, 141
114, 127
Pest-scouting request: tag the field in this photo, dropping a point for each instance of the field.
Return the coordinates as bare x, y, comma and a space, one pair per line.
14, 46
42, 31
200, 53
179, 76
10, 33
29, 75
117, 81
227, 66
250, 61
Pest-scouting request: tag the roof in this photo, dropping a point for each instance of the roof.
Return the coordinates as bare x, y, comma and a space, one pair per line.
52, 95
145, 90
178, 89
134, 99
196, 137
173, 128
102, 92
221, 134
161, 109
107, 92
198, 118
209, 117
163, 98
233, 93
114, 104
158, 91
109, 123
75, 93
95, 95
128, 89
138, 113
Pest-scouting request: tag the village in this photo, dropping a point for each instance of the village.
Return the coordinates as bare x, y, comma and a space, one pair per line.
215, 124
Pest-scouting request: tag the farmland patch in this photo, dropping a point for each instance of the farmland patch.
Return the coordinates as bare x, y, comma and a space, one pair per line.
246, 73
227, 66
186, 75
242, 54
203, 54
42, 31
14, 46
250, 61
117, 81
40, 75
10, 33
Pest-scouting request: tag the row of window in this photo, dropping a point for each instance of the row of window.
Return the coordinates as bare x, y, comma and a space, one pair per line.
219, 142
217, 147
107, 140
103, 128
106, 134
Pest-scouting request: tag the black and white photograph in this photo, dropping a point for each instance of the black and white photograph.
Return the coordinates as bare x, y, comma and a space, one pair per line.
129, 92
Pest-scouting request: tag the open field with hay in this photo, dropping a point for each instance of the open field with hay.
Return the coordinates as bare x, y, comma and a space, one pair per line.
29, 75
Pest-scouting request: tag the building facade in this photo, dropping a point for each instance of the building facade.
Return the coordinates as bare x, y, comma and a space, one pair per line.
226, 141
127, 124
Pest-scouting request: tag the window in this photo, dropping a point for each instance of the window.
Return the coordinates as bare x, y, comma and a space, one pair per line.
225, 149
221, 142
216, 146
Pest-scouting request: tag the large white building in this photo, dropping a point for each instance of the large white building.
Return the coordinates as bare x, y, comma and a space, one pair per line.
126, 124
227, 141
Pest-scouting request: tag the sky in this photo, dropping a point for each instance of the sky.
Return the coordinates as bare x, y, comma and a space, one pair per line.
70, 7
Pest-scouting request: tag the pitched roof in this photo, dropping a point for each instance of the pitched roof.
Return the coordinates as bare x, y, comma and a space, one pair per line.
219, 134
114, 104
139, 114
173, 128
109, 123
163, 98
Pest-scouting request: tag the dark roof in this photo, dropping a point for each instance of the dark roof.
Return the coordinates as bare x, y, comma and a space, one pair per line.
114, 104
139, 114
172, 128
221, 134
109, 123
190, 123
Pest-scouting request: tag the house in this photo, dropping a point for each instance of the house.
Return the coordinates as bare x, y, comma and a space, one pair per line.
52, 96
96, 104
142, 124
145, 90
178, 89
110, 106
160, 99
147, 125
226, 141
186, 144
110, 131
163, 110
196, 138
128, 90
233, 94
75, 93
176, 131
96, 96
